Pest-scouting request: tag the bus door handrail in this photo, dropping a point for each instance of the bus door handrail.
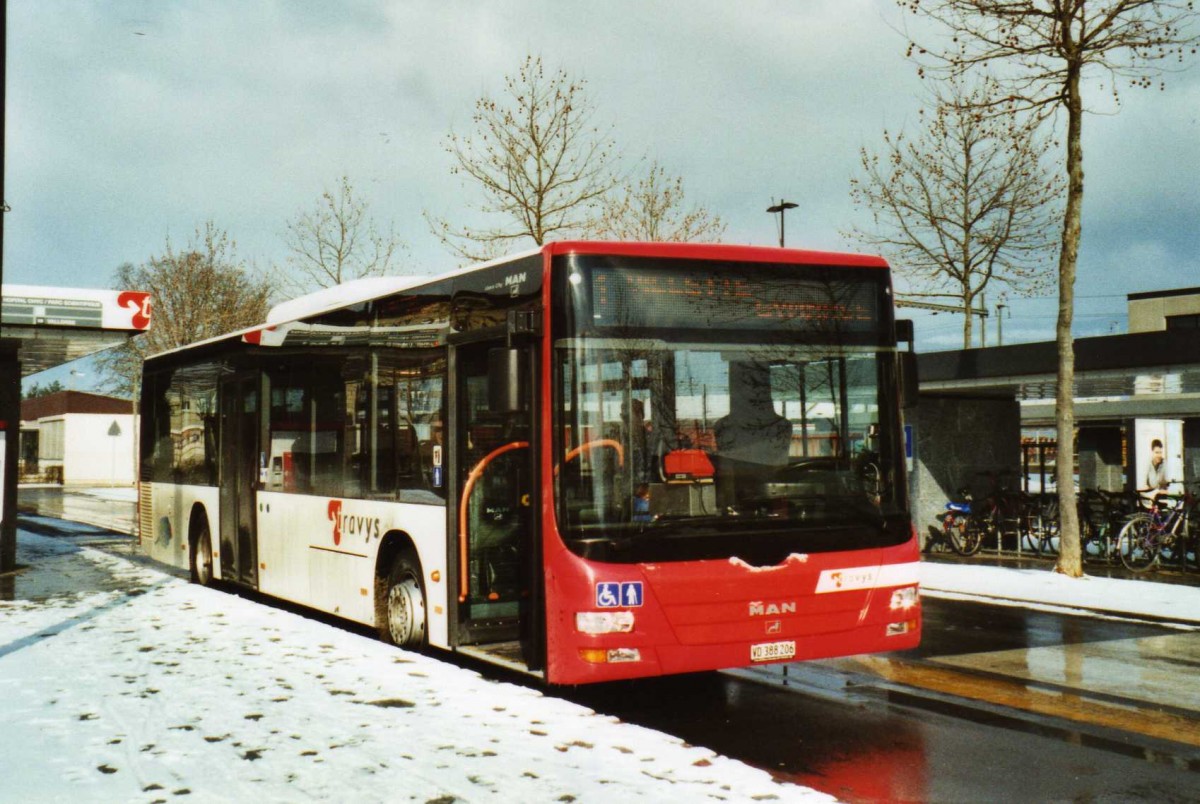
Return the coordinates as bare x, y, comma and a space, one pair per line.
588, 446
464, 579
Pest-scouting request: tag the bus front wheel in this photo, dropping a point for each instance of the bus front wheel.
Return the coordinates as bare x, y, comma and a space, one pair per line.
202, 557
404, 610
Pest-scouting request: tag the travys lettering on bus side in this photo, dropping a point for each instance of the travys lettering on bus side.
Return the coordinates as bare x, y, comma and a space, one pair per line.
351, 525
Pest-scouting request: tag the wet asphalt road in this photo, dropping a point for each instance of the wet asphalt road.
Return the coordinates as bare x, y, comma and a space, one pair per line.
997, 704
958, 724
53, 502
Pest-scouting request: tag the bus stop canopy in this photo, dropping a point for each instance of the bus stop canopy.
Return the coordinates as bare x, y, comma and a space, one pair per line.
53, 326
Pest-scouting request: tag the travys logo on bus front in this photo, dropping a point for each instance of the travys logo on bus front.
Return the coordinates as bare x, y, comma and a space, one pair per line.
348, 524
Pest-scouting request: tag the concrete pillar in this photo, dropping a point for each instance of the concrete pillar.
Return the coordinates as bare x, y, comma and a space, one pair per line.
1100, 458
10, 425
957, 439
1191, 450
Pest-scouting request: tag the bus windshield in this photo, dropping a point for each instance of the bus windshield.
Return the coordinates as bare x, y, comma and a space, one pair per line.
674, 446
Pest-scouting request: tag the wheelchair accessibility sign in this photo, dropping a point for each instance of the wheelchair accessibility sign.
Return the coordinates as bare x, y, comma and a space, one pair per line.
611, 595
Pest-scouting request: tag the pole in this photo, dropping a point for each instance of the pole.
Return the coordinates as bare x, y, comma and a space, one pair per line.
781, 209
983, 320
1000, 324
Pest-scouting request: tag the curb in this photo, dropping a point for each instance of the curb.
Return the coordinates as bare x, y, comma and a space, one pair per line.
1157, 619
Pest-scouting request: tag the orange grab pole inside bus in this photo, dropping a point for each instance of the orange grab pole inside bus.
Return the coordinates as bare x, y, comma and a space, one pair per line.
601, 442
464, 581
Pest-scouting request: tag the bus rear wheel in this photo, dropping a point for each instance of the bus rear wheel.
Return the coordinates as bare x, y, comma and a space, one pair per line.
404, 604
202, 557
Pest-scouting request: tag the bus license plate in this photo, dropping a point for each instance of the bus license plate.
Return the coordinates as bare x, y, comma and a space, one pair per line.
769, 651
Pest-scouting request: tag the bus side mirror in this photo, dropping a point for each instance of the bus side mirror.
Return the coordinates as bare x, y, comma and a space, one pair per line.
909, 384
504, 381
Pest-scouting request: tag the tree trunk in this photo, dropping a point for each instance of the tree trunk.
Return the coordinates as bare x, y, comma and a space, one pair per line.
1070, 560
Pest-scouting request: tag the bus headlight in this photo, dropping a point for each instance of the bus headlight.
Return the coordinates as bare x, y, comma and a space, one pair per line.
604, 622
904, 599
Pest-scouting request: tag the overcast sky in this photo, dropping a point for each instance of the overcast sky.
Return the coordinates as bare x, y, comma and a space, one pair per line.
128, 122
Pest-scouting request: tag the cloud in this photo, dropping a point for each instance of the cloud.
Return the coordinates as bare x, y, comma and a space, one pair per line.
127, 127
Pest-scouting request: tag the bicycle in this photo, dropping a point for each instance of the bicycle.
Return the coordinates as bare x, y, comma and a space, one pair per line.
960, 530
999, 513
1037, 518
1101, 515
1166, 524
1179, 549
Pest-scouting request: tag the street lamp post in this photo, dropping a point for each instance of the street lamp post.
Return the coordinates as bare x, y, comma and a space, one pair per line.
781, 208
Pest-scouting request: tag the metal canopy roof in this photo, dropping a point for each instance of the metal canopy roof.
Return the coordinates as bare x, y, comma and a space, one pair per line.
1146, 374
57, 325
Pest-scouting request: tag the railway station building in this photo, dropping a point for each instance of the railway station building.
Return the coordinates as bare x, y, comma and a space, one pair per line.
986, 416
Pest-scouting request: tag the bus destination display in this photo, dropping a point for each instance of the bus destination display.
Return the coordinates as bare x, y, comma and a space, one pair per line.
745, 297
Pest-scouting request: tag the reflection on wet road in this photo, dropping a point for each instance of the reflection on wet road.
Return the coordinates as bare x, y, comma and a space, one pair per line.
1120, 675
77, 506
1090, 710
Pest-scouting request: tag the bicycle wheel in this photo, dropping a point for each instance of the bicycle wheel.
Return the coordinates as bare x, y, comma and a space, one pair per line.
972, 537
1031, 528
987, 522
1089, 539
1050, 543
954, 526
1136, 543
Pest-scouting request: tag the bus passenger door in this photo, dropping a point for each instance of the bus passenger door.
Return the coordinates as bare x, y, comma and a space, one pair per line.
240, 425
499, 553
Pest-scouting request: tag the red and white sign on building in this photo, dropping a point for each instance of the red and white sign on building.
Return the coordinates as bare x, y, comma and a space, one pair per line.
31, 305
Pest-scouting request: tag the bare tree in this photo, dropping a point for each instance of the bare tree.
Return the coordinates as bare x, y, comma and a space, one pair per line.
1040, 50
197, 293
654, 208
965, 204
537, 159
334, 242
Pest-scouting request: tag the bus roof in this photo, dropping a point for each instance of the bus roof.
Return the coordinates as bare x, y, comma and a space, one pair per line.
714, 251
370, 288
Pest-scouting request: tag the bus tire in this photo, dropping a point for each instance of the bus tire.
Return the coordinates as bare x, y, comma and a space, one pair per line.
201, 556
404, 617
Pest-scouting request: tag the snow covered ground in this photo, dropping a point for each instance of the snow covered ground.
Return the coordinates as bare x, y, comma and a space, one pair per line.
123, 683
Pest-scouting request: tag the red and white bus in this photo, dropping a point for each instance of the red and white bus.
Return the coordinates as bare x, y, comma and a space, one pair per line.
587, 462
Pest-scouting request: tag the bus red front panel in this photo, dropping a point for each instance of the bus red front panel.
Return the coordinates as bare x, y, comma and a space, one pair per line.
614, 621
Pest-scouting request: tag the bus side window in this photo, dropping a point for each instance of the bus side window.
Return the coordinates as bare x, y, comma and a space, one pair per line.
408, 470
419, 437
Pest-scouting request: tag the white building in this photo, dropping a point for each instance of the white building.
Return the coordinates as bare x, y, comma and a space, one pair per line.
77, 438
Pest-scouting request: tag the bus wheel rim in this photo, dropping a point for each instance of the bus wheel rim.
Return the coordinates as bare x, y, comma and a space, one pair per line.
406, 609
203, 562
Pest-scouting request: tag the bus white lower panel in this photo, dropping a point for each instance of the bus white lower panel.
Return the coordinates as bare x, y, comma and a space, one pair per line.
323, 553
171, 512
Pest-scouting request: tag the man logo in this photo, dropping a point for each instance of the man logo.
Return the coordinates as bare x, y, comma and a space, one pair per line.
775, 627
760, 609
